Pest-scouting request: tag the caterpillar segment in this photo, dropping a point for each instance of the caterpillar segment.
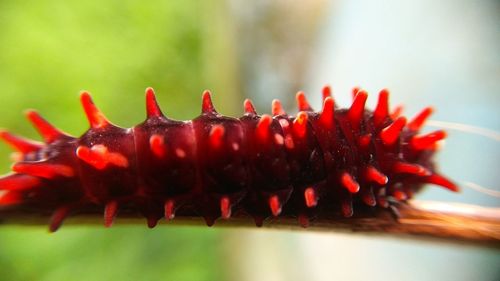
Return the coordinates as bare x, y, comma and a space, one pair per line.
215, 166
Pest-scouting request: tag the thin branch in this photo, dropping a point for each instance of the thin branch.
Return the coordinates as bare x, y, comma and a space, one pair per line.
417, 219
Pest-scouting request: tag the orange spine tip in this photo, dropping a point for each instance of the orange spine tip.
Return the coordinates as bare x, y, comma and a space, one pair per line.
442, 181
169, 209
94, 115
414, 169
355, 91
157, 145
152, 107
390, 134
400, 195
43, 170
264, 127
57, 218
117, 159
19, 143
278, 139
382, 202
225, 207
327, 116
368, 197
398, 110
303, 220
275, 205
216, 136
152, 222
427, 141
327, 92
418, 121
259, 221
248, 106
110, 212
99, 157
209, 220
19, 182
46, 130
302, 103
84, 154
364, 141
347, 210
277, 108
349, 183
382, 109
357, 109
310, 197
374, 175
207, 105
8, 198
300, 124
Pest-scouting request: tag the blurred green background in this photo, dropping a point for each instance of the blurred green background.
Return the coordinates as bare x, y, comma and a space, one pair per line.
443, 54
51, 50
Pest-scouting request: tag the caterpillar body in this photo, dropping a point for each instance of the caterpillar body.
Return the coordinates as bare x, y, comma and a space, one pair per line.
213, 165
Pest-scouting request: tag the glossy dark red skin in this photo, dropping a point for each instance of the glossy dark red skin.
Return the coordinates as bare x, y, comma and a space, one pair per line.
248, 176
315, 163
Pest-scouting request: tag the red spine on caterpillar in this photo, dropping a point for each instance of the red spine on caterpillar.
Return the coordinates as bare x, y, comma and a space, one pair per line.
215, 166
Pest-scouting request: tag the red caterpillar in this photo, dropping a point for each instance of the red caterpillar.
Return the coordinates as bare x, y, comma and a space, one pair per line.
214, 165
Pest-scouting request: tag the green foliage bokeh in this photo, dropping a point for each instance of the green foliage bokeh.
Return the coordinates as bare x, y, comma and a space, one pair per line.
49, 52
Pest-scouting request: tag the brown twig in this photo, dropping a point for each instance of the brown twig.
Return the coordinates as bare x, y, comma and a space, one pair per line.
416, 219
